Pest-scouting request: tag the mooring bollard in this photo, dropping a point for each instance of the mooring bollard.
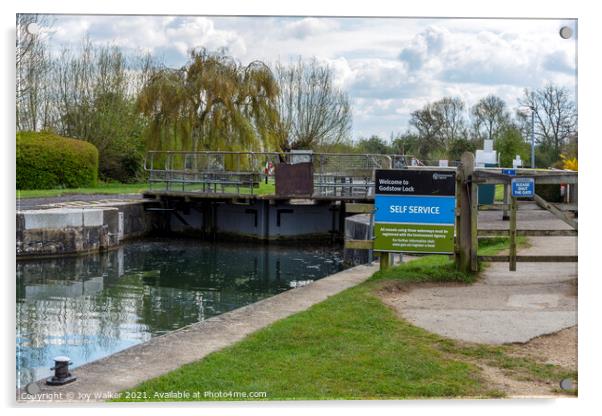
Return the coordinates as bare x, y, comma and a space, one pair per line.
61, 372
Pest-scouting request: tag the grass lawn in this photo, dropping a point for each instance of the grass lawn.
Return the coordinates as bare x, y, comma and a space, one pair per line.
130, 188
101, 188
351, 346
499, 192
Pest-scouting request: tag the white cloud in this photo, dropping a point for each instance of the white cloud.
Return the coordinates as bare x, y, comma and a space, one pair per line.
309, 26
157, 34
389, 67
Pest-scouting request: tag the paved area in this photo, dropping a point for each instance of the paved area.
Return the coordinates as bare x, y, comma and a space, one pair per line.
528, 217
73, 200
126, 369
503, 306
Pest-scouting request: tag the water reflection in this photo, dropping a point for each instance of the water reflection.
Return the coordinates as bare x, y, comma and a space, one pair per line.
91, 306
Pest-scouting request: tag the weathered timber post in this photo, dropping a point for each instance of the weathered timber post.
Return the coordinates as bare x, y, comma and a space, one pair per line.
385, 260
474, 215
505, 216
464, 233
457, 218
512, 233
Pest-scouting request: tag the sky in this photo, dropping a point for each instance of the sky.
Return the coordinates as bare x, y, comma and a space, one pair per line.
389, 67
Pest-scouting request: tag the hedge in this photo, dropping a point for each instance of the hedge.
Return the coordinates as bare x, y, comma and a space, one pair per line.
46, 161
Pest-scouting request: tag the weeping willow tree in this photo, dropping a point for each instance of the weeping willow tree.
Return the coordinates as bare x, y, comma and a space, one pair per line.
212, 103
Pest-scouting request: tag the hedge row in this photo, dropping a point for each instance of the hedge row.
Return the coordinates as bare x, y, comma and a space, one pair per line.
45, 161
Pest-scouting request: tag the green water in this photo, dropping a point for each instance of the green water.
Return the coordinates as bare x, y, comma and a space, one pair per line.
92, 306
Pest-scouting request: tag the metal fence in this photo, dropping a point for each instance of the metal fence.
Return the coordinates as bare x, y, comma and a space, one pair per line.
244, 173
346, 175
210, 172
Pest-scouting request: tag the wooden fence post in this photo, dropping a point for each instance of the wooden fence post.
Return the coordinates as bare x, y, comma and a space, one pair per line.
505, 216
459, 179
464, 230
512, 232
385, 260
474, 215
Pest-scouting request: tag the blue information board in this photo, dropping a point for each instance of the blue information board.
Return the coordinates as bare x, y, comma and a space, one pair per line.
523, 187
415, 209
509, 172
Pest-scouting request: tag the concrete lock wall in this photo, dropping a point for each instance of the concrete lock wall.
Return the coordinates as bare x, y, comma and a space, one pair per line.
61, 231
58, 231
258, 220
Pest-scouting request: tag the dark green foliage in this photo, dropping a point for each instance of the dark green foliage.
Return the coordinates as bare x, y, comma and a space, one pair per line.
45, 160
459, 146
511, 143
374, 145
550, 193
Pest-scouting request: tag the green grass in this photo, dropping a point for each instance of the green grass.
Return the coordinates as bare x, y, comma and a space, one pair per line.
435, 268
438, 268
505, 358
101, 188
499, 193
352, 346
130, 188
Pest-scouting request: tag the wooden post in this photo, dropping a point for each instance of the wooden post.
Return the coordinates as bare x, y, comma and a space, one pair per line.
474, 215
505, 216
463, 231
512, 233
457, 219
385, 260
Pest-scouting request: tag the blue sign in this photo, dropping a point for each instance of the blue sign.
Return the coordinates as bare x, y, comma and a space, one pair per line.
509, 172
523, 187
415, 209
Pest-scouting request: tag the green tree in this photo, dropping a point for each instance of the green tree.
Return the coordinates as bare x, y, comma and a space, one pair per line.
313, 112
510, 143
489, 118
459, 146
555, 116
212, 103
439, 124
374, 145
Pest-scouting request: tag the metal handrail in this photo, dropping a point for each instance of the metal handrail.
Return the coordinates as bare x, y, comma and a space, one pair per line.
334, 173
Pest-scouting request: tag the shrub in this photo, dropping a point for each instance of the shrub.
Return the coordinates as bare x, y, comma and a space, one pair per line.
45, 161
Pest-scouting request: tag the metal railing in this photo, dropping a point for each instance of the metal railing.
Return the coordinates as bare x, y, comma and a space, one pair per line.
346, 175
224, 172
243, 173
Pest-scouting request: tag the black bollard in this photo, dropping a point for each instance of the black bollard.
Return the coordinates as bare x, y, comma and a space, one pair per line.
61, 372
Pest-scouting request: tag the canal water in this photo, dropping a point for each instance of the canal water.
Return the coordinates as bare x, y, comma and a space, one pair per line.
88, 307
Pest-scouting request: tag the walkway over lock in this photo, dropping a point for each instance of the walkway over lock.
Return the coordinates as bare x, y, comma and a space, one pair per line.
330, 176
